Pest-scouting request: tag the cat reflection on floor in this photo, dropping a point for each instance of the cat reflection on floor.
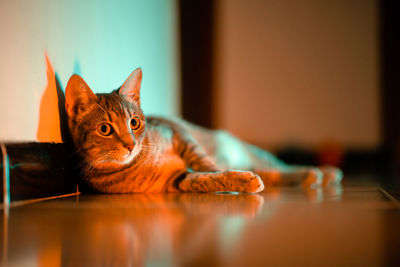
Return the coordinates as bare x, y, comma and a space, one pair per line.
139, 229
124, 151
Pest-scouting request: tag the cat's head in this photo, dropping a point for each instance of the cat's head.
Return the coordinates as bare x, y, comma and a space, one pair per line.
107, 129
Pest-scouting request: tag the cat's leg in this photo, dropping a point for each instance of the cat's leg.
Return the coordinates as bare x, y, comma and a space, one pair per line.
193, 154
203, 182
276, 172
207, 176
306, 176
300, 175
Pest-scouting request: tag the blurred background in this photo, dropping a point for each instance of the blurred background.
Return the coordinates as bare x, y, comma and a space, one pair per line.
313, 81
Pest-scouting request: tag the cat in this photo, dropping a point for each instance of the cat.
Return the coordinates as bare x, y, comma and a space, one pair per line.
123, 151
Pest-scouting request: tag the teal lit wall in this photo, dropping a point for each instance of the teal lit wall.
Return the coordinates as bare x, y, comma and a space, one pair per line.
103, 41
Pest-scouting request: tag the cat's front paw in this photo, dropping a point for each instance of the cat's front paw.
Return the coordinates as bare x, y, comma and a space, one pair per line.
244, 181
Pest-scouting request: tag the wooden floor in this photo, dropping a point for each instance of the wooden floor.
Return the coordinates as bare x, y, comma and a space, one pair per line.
342, 226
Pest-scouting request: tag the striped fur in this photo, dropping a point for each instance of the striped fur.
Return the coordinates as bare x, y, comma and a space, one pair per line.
167, 155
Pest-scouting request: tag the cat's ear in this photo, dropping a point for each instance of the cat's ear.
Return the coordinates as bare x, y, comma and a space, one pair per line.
78, 96
131, 87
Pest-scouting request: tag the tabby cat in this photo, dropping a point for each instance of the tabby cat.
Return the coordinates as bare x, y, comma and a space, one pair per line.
123, 151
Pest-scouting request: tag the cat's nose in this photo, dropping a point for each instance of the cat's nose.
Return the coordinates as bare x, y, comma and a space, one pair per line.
129, 146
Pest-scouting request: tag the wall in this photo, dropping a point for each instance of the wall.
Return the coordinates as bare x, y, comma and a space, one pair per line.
298, 72
103, 41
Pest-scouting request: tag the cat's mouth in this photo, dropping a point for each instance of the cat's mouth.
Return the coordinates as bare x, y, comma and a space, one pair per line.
125, 157
113, 160
128, 157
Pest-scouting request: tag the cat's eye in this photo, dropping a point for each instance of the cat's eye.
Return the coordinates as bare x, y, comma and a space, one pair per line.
135, 123
104, 129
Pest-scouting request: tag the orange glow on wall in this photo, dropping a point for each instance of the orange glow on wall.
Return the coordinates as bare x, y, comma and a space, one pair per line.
78, 40
49, 121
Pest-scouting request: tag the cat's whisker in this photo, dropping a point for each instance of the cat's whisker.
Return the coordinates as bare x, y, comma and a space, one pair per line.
77, 150
88, 168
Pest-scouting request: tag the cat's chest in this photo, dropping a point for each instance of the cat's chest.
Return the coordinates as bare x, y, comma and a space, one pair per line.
156, 172
160, 141
168, 162
160, 160
161, 157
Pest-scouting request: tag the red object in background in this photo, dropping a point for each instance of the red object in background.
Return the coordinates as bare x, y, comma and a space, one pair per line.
330, 153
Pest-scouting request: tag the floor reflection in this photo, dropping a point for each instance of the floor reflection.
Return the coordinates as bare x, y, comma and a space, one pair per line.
279, 227
314, 195
125, 230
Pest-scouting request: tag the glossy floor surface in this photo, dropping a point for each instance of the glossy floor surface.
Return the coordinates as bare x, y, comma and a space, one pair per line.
340, 226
